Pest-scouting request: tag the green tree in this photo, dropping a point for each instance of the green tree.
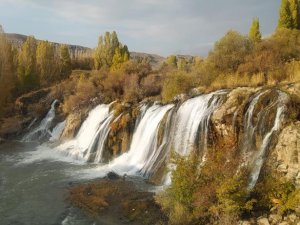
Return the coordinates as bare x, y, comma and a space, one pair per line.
117, 60
28, 78
126, 54
47, 62
285, 15
107, 48
65, 61
254, 33
294, 8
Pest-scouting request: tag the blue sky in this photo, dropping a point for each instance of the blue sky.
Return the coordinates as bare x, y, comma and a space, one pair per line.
154, 26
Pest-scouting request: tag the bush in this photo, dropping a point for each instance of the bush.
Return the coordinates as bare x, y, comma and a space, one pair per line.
229, 52
274, 190
205, 193
85, 91
176, 83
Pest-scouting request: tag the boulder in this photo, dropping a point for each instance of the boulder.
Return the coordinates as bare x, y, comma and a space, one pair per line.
112, 176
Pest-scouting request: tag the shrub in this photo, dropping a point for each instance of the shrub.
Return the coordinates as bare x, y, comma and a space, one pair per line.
274, 190
151, 85
85, 90
175, 83
229, 52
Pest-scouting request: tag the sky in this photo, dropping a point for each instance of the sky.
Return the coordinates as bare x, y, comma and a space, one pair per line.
154, 26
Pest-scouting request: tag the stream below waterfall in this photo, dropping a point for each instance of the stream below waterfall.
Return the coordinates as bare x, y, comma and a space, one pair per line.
34, 184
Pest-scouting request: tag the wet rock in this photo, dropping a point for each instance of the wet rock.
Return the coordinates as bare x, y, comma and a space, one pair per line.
73, 123
112, 176
230, 113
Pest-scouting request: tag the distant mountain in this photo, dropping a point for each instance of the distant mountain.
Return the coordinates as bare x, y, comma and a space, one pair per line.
155, 60
18, 39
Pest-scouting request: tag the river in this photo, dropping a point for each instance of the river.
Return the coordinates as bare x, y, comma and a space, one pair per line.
34, 186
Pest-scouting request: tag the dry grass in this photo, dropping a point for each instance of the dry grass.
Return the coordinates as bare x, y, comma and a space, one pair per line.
293, 71
225, 81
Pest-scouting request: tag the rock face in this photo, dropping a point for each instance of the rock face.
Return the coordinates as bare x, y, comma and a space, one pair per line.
229, 115
73, 123
12, 127
287, 151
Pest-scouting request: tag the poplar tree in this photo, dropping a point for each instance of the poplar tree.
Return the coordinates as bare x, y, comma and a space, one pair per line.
46, 62
285, 17
294, 8
7, 70
65, 61
254, 33
27, 70
108, 47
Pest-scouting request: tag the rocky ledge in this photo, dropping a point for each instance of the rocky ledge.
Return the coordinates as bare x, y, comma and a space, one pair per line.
121, 201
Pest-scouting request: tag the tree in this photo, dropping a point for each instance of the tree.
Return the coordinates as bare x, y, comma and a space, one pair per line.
7, 70
27, 70
117, 60
229, 52
254, 33
106, 50
47, 62
285, 16
182, 64
294, 8
65, 61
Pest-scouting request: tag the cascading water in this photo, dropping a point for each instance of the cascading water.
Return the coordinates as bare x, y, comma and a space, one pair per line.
80, 145
259, 156
192, 121
42, 132
95, 150
144, 143
158, 157
57, 131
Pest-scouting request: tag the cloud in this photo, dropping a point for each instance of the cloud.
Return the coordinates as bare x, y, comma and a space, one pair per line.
167, 26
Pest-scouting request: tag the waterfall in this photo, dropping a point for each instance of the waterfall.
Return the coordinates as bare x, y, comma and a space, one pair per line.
144, 143
95, 150
43, 130
158, 157
192, 121
249, 127
259, 157
79, 147
57, 131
